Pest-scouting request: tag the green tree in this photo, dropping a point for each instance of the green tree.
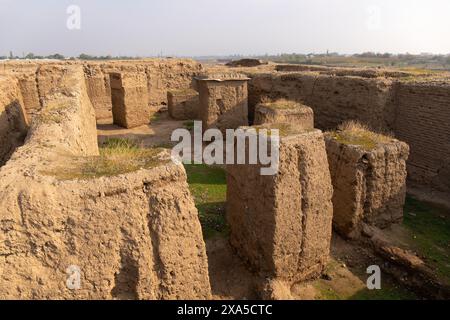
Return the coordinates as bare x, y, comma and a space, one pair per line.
84, 56
56, 56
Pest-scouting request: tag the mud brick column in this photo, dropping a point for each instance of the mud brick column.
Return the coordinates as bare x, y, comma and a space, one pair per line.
281, 224
285, 111
129, 99
223, 101
369, 185
183, 104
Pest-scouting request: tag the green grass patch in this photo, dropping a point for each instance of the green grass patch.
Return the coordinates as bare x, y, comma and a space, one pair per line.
208, 186
155, 117
326, 292
189, 125
429, 226
385, 293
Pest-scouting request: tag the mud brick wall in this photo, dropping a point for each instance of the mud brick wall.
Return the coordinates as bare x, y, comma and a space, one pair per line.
369, 185
423, 121
281, 224
30, 93
161, 75
13, 120
26, 74
135, 235
357, 72
129, 99
296, 114
223, 104
183, 104
333, 99
99, 90
416, 112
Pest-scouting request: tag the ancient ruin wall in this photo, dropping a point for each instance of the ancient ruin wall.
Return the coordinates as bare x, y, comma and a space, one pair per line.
333, 99
422, 119
281, 224
129, 99
162, 75
369, 185
135, 235
223, 102
26, 74
99, 90
416, 112
13, 120
183, 104
349, 71
296, 114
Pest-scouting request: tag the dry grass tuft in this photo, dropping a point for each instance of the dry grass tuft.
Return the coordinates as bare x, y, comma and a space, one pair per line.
285, 129
356, 133
117, 156
282, 104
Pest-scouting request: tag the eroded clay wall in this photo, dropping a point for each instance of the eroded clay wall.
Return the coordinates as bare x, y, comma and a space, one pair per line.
416, 112
129, 236
26, 74
369, 185
99, 90
162, 75
333, 99
281, 224
13, 121
423, 121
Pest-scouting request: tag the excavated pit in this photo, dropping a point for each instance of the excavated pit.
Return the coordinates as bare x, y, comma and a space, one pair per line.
156, 250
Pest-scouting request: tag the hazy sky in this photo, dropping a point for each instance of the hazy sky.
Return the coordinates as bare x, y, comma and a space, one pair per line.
219, 27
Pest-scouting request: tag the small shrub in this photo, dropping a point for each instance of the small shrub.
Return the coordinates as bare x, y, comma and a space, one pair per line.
155, 117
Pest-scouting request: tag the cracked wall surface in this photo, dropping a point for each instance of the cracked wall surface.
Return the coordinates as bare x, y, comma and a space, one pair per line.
369, 185
281, 224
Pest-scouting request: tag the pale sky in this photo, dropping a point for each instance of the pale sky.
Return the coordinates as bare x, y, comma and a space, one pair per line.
222, 27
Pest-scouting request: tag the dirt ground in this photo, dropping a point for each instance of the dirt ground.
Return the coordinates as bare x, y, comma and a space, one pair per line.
156, 133
345, 277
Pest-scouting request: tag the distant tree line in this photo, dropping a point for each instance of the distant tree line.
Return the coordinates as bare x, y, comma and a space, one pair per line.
84, 56
58, 56
425, 60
